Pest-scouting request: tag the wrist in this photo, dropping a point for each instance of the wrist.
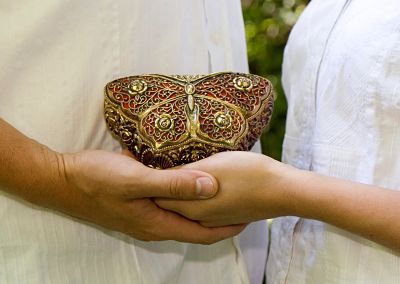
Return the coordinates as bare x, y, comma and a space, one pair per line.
35, 174
284, 186
50, 181
56, 191
304, 193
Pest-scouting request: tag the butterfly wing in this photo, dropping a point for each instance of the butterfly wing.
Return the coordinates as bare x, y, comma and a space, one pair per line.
228, 103
166, 123
219, 122
136, 94
139, 109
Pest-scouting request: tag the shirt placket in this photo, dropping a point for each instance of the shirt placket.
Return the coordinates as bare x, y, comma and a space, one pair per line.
297, 226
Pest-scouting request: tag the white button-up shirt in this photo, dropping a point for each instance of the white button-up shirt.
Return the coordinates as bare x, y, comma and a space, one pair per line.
55, 58
341, 75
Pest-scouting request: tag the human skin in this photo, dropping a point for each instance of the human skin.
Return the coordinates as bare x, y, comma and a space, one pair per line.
111, 190
254, 187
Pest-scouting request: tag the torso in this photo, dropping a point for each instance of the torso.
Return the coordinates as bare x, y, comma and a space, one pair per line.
341, 75
56, 57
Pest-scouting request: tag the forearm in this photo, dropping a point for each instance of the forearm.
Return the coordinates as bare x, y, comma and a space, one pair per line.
369, 211
28, 169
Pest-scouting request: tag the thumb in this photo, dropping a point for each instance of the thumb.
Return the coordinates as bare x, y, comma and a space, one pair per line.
180, 184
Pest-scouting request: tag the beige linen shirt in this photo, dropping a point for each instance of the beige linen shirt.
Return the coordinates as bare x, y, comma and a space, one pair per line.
341, 75
55, 58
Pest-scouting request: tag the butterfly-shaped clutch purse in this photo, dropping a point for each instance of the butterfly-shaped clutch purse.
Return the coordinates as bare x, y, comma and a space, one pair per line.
166, 121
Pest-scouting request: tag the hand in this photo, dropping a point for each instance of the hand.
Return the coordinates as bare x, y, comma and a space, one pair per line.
108, 189
253, 187
114, 191
248, 190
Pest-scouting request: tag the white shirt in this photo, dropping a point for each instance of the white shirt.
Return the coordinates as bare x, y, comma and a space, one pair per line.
341, 75
55, 58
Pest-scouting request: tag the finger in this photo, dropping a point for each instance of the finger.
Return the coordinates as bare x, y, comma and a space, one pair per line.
178, 184
177, 228
200, 211
185, 208
223, 222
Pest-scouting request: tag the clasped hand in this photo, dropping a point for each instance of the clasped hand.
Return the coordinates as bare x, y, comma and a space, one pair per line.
250, 189
116, 192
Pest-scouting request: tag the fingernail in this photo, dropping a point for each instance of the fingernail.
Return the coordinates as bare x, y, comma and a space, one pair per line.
205, 187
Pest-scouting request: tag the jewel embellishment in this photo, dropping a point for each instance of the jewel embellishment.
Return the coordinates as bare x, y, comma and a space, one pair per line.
137, 87
164, 122
222, 120
243, 83
190, 89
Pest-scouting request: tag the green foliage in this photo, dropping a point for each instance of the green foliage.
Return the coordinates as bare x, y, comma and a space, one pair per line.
268, 23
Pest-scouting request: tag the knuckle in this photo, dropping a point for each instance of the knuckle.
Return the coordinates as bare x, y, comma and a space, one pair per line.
175, 186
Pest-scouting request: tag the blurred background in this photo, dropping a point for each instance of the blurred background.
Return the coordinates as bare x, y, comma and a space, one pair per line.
267, 24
